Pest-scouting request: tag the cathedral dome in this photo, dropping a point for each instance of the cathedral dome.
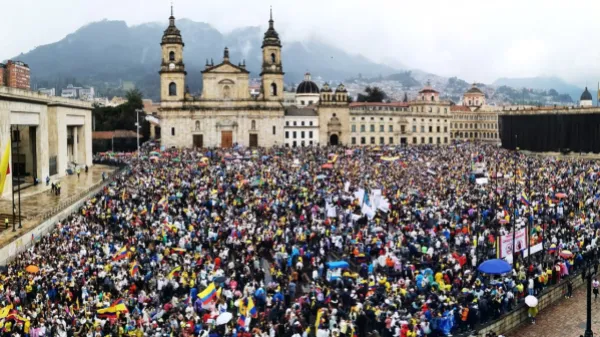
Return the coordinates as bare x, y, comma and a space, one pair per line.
307, 86
474, 90
586, 96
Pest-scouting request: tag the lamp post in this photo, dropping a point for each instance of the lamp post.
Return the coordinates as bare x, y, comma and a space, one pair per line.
589, 274
137, 128
12, 182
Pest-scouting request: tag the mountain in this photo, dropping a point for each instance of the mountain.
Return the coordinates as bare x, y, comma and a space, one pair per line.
544, 83
107, 53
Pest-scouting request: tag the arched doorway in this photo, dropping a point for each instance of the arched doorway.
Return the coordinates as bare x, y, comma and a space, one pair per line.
333, 140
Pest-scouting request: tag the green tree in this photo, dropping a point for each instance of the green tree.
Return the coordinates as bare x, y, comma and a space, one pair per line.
373, 94
122, 117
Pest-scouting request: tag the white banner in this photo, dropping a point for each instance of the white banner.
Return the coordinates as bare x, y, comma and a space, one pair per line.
506, 243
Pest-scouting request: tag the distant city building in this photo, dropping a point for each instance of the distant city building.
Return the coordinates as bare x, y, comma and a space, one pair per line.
16, 75
49, 92
586, 99
2, 74
474, 120
86, 94
116, 101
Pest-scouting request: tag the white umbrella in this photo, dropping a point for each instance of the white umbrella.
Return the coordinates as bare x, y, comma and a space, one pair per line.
531, 301
224, 318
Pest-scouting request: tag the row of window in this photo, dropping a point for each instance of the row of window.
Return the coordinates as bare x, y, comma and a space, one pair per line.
294, 134
379, 108
363, 140
437, 129
475, 125
372, 128
372, 118
294, 123
302, 143
438, 140
477, 118
484, 135
429, 109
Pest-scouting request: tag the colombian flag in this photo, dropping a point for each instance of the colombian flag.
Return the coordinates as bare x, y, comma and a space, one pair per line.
208, 294
179, 251
121, 254
524, 199
135, 268
174, 272
250, 308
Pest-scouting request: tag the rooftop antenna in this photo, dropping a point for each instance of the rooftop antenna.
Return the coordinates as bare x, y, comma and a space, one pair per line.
171, 7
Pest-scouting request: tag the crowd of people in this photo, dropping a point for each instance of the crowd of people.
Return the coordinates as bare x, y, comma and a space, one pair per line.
298, 242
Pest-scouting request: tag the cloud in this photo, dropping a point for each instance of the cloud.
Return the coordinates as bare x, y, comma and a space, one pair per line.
475, 40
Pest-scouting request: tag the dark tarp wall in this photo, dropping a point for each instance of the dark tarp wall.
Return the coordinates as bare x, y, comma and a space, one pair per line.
551, 132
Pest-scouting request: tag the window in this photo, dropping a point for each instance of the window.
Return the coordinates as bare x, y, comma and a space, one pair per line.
422, 140
253, 125
362, 118
294, 144
372, 118
172, 131
391, 140
294, 123
445, 110
310, 134
287, 134
226, 92
438, 140
310, 123
414, 140
273, 89
445, 129
172, 56
431, 129
414, 128
381, 140
274, 129
353, 128
381, 118
353, 141
311, 143
302, 103
430, 109
302, 134
287, 123
422, 128
402, 128
381, 128
432, 98
310, 102
430, 140
273, 58
437, 129
391, 128
445, 140
172, 89
302, 143
302, 123
362, 140
362, 128
373, 140
294, 134
197, 125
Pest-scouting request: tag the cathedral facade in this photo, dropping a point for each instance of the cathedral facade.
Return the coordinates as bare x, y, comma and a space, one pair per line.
226, 114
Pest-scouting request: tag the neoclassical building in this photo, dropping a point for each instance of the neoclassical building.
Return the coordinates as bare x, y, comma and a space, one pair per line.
226, 114
473, 120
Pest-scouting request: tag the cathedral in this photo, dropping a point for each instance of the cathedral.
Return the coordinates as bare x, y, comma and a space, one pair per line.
227, 114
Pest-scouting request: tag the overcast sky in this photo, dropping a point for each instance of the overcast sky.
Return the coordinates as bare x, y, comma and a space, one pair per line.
473, 39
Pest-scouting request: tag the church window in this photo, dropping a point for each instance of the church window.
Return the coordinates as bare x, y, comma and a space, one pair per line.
172, 131
432, 98
273, 58
226, 91
197, 125
172, 89
172, 56
274, 129
253, 125
273, 89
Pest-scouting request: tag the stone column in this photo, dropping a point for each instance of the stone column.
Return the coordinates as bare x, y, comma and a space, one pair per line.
42, 148
75, 144
82, 153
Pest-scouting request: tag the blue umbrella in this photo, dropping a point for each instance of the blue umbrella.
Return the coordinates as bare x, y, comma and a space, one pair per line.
495, 267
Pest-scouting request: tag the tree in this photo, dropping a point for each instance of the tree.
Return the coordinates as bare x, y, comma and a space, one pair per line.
373, 94
122, 117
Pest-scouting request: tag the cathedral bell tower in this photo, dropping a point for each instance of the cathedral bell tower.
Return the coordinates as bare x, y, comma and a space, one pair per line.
272, 70
172, 70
